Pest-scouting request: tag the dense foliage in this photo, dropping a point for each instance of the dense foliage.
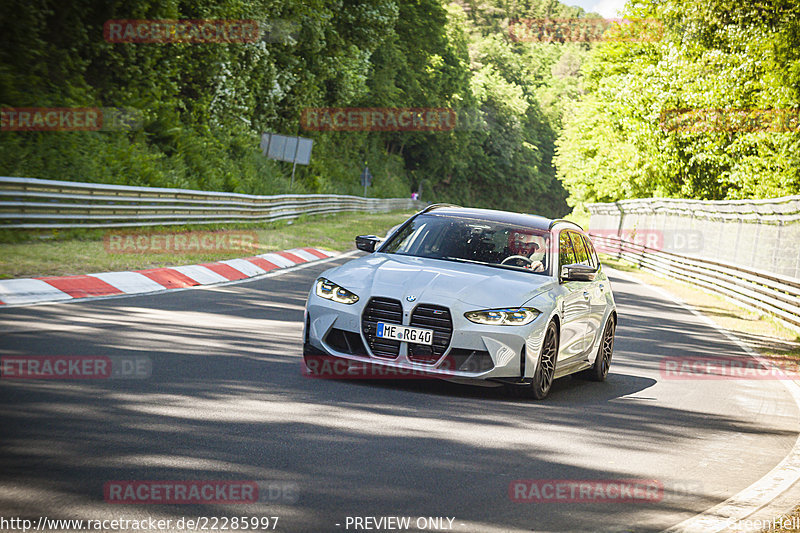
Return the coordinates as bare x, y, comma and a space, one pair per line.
737, 62
525, 109
204, 105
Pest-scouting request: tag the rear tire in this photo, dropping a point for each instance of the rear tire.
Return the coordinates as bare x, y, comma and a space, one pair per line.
602, 362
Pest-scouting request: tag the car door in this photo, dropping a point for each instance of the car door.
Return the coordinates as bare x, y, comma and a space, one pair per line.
592, 293
574, 305
598, 303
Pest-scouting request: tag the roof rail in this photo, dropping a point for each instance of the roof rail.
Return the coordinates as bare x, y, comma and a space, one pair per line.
565, 221
437, 206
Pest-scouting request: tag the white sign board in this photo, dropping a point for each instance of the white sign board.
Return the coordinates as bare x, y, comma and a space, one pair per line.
304, 150
287, 148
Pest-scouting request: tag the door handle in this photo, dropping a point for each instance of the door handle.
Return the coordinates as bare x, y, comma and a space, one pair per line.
586, 294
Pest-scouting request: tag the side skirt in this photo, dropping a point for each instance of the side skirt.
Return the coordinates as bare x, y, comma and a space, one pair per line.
570, 367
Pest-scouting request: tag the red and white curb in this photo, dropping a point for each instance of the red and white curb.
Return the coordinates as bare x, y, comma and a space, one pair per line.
54, 289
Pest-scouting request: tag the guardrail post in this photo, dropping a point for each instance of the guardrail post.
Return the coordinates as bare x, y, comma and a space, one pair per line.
776, 252
755, 243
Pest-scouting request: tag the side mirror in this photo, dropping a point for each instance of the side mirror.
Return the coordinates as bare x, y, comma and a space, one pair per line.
577, 272
367, 243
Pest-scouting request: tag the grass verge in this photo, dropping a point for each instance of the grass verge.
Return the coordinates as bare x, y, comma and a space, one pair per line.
87, 252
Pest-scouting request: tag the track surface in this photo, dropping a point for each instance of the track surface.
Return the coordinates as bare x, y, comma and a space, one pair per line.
227, 400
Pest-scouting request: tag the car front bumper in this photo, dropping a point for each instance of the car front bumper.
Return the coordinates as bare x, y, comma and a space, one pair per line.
475, 351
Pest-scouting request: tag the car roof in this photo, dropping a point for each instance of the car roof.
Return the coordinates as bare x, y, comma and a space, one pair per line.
519, 219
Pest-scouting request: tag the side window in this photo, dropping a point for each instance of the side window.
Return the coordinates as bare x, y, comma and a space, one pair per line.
592, 254
566, 255
581, 255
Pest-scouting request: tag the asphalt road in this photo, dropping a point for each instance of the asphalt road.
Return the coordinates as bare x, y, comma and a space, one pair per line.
226, 400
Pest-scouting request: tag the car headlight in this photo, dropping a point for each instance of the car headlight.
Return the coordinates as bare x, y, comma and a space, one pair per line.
331, 291
503, 317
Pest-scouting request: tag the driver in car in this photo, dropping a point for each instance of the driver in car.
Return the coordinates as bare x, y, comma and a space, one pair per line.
525, 251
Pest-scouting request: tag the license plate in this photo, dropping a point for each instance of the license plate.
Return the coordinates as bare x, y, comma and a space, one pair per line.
404, 333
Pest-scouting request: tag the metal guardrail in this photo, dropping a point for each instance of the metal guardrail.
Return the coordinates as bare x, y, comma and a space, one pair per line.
768, 211
30, 203
775, 294
757, 234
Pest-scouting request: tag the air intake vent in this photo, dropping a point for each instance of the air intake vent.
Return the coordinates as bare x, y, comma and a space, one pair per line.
438, 319
475, 361
345, 342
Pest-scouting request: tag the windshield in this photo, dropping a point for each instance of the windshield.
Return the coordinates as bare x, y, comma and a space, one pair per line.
470, 240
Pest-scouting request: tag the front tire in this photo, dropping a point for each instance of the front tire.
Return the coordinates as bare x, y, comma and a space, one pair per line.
546, 369
539, 387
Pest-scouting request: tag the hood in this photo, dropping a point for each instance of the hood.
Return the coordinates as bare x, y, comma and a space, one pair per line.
437, 281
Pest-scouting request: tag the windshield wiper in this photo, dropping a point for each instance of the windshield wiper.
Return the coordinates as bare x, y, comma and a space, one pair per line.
462, 260
496, 265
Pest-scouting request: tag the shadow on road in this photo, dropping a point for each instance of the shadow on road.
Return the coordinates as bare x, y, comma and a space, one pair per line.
227, 400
